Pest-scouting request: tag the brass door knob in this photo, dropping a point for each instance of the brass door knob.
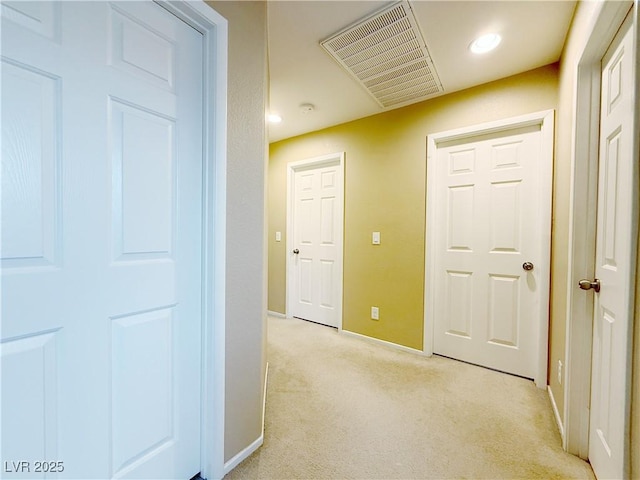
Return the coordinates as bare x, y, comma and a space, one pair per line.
585, 284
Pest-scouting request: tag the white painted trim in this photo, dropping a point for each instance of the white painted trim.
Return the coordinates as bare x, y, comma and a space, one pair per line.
271, 313
213, 28
556, 413
582, 243
246, 453
546, 121
243, 454
315, 162
384, 343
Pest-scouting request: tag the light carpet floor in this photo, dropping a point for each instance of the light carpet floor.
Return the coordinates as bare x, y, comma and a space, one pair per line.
339, 407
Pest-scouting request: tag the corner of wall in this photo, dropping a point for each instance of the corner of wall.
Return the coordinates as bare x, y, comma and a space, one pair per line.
246, 223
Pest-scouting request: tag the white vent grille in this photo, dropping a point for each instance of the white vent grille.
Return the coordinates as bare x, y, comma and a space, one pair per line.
387, 55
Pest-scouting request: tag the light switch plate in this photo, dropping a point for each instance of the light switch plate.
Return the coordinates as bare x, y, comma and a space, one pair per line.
375, 238
278, 236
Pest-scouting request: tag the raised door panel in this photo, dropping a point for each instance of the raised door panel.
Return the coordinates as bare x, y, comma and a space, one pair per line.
506, 155
327, 284
459, 220
40, 17
305, 227
143, 182
327, 221
609, 198
31, 162
141, 50
305, 281
505, 217
459, 307
602, 386
504, 310
462, 161
29, 371
142, 390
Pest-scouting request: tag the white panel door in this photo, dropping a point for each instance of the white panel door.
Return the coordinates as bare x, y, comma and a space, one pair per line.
613, 260
101, 240
316, 287
487, 304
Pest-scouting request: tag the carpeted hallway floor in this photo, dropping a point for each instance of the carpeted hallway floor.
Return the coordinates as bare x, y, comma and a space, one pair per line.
342, 408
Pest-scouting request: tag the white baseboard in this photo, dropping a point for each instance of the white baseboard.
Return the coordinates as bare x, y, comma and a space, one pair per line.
556, 413
383, 342
244, 454
264, 396
276, 314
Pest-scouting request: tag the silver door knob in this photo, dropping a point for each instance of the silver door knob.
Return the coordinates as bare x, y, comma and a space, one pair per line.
585, 284
528, 266
296, 251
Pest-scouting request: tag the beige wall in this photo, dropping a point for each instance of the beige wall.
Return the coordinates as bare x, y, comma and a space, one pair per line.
576, 40
246, 262
385, 184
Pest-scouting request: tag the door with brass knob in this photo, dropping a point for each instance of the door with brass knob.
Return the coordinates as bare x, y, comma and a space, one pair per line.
488, 252
614, 261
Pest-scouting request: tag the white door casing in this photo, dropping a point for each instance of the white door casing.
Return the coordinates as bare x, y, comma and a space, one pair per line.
488, 213
614, 261
102, 237
315, 239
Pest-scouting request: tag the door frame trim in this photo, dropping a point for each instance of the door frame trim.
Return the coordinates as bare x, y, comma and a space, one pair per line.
336, 158
582, 238
546, 121
214, 30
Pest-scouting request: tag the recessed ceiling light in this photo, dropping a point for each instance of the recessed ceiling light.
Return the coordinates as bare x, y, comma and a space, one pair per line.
274, 118
485, 43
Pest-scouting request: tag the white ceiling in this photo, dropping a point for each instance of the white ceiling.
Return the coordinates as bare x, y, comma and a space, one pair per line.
533, 34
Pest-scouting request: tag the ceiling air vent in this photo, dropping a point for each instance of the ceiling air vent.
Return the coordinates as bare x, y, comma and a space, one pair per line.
387, 55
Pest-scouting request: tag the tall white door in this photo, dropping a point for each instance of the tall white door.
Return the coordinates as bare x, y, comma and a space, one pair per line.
101, 240
489, 263
609, 374
316, 246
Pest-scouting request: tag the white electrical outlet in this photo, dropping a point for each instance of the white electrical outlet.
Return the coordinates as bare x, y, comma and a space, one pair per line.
560, 372
375, 313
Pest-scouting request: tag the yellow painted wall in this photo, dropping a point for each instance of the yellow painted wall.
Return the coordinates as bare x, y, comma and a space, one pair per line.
385, 187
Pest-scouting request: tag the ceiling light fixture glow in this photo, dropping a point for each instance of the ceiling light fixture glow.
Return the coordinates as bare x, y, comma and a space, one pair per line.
485, 43
274, 118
